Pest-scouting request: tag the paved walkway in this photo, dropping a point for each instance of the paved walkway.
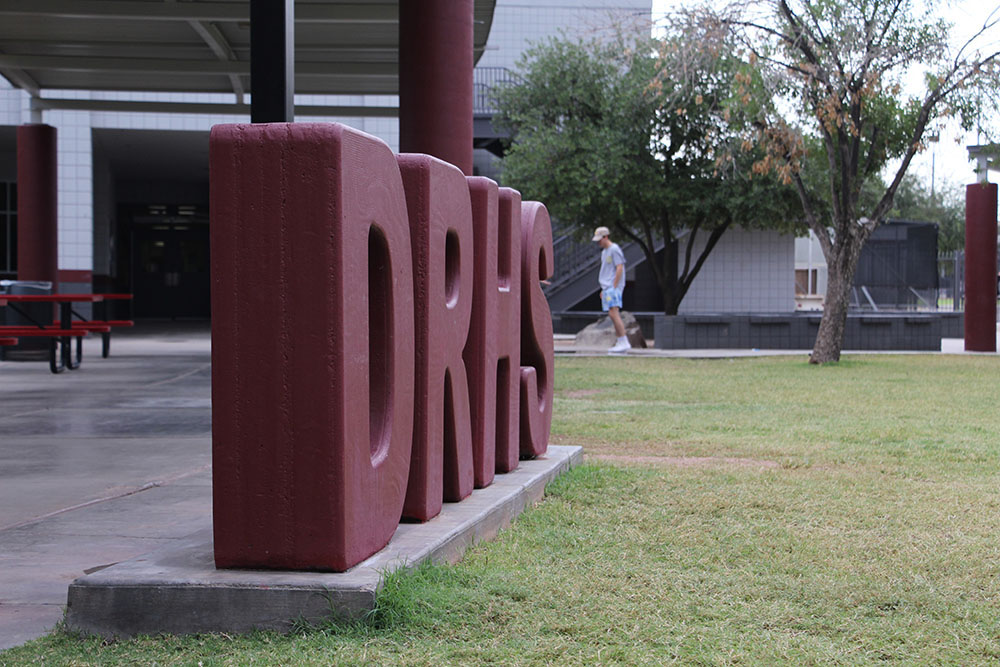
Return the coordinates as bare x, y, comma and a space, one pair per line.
113, 461
98, 465
564, 346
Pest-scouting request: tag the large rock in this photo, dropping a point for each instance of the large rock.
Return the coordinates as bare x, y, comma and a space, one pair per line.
602, 332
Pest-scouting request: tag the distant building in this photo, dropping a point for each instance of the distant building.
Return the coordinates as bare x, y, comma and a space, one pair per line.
897, 269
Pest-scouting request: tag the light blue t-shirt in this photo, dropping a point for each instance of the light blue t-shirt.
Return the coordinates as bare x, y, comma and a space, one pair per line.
611, 257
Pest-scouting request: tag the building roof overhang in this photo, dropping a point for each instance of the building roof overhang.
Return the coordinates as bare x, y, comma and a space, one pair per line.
197, 46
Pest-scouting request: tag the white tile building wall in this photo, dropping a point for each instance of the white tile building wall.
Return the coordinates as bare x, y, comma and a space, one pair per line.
76, 189
519, 23
76, 173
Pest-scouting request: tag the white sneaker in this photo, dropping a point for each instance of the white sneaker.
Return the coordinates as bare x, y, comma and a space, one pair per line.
620, 347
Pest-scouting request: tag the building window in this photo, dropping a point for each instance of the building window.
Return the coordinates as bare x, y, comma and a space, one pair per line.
805, 281
8, 227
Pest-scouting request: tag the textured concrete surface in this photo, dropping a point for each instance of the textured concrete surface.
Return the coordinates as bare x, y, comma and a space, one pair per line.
307, 195
98, 465
179, 590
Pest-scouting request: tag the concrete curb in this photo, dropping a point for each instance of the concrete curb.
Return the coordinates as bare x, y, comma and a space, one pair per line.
178, 590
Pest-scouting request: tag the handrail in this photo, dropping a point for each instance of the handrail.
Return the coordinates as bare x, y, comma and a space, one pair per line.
484, 81
574, 259
868, 296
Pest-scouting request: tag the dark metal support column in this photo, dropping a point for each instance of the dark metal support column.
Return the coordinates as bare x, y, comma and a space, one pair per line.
272, 61
435, 79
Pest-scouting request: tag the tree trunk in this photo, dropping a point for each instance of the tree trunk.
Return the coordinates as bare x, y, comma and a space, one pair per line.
830, 337
839, 279
669, 286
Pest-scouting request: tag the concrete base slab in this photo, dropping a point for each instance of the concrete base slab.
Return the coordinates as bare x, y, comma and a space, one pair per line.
178, 590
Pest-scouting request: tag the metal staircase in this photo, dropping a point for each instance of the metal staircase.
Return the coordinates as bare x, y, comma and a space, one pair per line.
574, 277
485, 135
576, 262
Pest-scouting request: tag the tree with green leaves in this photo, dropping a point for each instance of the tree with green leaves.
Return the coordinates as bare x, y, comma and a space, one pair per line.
841, 119
630, 134
914, 200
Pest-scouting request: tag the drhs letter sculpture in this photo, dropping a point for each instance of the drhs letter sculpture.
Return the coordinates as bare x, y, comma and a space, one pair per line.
370, 315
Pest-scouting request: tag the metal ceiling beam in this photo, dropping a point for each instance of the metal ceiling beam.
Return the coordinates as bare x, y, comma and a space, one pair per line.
193, 67
21, 79
215, 40
124, 54
342, 46
219, 45
331, 111
95, 64
370, 12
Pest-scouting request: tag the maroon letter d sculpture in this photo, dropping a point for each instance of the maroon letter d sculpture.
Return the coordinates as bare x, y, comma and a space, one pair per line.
312, 345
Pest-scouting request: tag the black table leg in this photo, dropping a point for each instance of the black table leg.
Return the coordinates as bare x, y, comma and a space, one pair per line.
54, 357
66, 322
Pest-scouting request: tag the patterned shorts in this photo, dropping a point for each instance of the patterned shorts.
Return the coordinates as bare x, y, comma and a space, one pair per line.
611, 298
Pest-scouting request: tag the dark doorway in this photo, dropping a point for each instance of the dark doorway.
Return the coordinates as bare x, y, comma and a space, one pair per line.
170, 269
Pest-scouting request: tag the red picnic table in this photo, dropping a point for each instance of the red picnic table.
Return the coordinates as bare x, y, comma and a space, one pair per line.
60, 333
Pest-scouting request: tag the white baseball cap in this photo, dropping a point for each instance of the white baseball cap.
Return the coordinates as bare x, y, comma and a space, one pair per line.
600, 233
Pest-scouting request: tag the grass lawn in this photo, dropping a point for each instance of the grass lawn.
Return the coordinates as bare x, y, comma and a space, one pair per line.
750, 511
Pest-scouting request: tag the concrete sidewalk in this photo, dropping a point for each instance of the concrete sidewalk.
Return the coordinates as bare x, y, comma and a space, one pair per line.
99, 465
564, 347
113, 461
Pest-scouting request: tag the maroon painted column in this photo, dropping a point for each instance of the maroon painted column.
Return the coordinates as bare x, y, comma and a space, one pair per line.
37, 213
981, 267
435, 80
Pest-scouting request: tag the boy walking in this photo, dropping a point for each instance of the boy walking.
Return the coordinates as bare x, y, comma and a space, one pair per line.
612, 280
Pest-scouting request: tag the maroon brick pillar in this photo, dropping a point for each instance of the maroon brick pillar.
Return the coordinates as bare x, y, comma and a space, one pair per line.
37, 213
981, 267
435, 80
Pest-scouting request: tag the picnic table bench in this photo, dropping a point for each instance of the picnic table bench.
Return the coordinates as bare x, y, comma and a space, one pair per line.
60, 333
